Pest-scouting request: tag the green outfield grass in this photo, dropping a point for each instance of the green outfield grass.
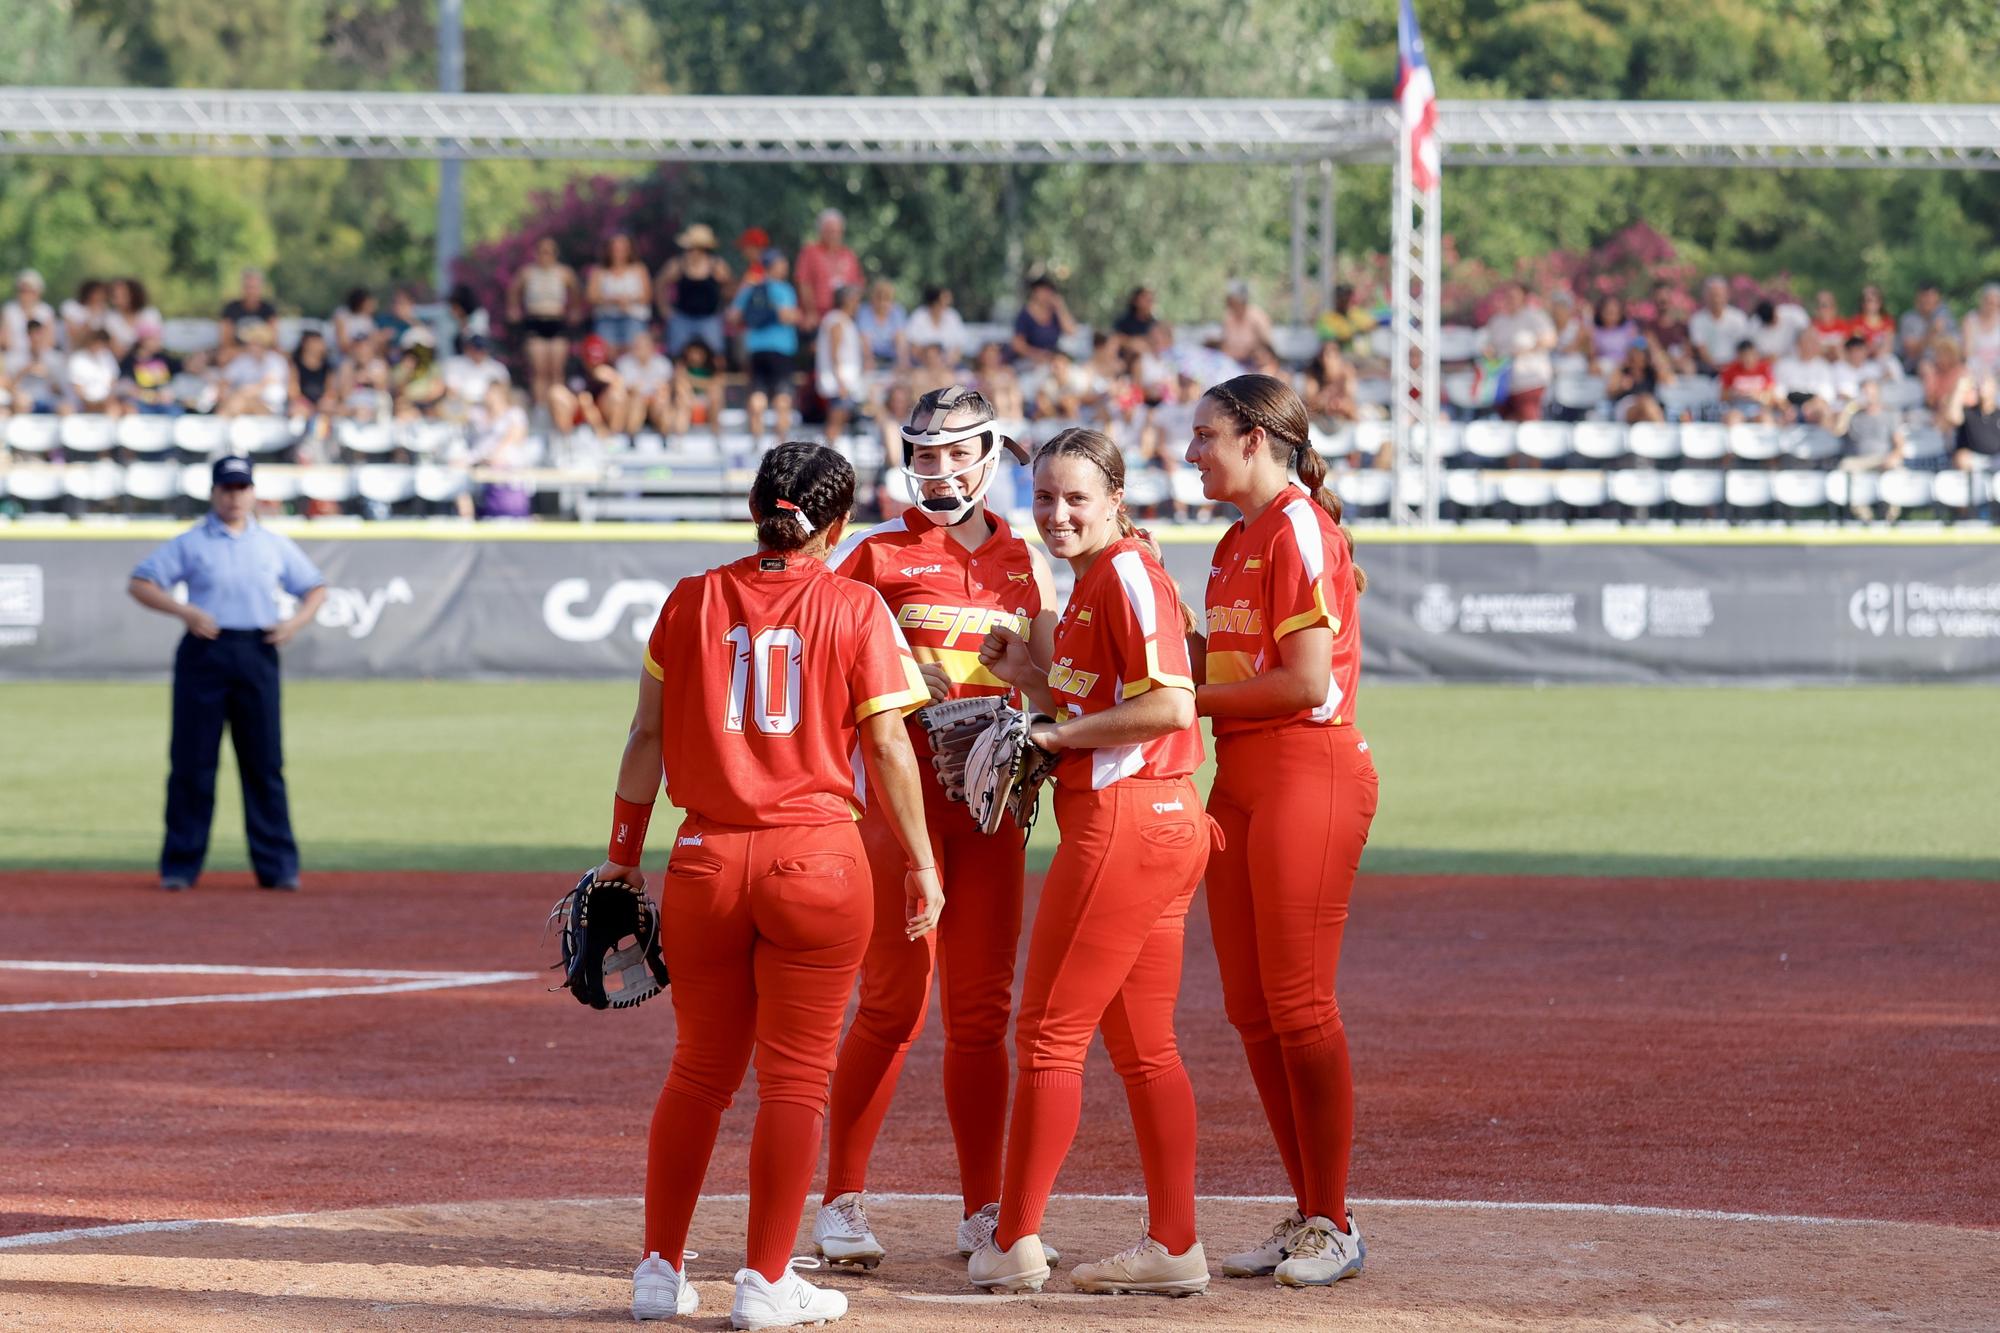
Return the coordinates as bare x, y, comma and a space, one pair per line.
1582, 780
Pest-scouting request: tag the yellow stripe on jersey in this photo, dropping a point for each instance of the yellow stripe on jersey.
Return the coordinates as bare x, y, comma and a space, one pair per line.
1155, 676
1319, 615
654, 669
963, 666
1226, 667
914, 694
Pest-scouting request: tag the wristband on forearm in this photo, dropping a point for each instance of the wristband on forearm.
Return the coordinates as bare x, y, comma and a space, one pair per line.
628, 831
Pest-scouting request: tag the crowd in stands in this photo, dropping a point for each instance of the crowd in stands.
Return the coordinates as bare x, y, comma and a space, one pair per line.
607, 348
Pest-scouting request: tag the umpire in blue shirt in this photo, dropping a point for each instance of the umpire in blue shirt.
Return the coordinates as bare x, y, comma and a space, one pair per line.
226, 671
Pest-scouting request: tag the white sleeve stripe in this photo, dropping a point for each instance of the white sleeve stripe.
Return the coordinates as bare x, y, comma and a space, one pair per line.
889, 616
849, 546
1305, 531
1131, 570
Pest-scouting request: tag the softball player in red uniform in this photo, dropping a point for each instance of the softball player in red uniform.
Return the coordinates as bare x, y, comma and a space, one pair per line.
949, 571
1294, 794
762, 678
1106, 947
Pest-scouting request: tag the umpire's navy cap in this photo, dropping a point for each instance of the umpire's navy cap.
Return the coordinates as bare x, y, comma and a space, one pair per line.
232, 471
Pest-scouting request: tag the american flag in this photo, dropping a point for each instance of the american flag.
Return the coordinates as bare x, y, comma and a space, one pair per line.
1417, 96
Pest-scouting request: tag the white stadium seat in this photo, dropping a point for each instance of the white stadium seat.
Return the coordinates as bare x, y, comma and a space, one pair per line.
1333, 445
1490, 439
280, 485
1925, 441
154, 483
1811, 444
1581, 490
201, 435
1145, 487
440, 485
1906, 490
334, 485
1799, 489
1544, 440
1703, 442
1366, 489
260, 435
145, 434
1747, 490
88, 433
1469, 489
1372, 437
1599, 441
1450, 439
1695, 488
32, 434
386, 483
1754, 444
1852, 488
365, 437
36, 484
1654, 442
197, 481
1694, 394
1580, 393
93, 483
1901, 395
1952, 489
1185, 486
1527, 489
1637, 488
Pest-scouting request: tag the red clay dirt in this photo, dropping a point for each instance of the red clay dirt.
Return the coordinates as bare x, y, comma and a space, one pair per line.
1819, 1048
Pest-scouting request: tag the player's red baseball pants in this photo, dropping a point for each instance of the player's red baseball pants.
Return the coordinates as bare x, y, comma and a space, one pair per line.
764, 930
1106, 950
1294, 805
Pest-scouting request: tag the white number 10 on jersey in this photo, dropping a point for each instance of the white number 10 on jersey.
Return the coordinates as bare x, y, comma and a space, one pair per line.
770, 662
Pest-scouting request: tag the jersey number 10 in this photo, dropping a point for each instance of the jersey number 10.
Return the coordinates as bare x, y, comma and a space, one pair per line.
769, 661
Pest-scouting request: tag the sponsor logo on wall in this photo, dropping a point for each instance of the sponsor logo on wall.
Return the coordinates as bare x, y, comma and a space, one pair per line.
21, 605
1439, 610
1636, 610
1920, 610
357, 611
566, 610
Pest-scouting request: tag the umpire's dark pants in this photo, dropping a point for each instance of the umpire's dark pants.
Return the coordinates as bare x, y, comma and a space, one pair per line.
230, 679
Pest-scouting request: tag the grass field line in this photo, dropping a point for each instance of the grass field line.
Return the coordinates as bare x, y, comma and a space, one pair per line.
31, 1239
384, 981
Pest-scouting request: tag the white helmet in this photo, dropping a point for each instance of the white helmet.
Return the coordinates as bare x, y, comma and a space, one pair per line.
968, 484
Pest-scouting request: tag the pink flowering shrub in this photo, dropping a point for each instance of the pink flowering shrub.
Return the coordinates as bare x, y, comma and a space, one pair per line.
586, 215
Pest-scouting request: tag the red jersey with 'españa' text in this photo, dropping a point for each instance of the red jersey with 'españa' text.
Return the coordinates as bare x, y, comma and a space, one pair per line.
944, 597
1290, 570
1120, 636
768, 666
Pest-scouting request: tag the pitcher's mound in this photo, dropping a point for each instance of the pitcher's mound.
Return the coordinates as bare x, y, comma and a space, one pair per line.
525, 1265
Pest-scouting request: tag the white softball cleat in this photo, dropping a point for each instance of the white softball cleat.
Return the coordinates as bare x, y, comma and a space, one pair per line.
1146, 1267
1020, 1269
658, 1292
1263, 1260
978, 1229
1321, 1254
786, 1303
841, 1235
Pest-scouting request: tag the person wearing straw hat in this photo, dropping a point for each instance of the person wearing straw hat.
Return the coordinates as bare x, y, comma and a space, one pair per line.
692, 290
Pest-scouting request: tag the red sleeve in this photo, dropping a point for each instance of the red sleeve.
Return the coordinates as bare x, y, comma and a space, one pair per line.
1146, 632
1296, 595
656, 642
883, 674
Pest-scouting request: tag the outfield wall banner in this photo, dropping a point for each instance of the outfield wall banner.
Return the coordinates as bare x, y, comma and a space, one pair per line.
1513, 610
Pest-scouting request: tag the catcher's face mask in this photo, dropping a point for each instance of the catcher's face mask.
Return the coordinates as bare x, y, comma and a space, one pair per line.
950, 494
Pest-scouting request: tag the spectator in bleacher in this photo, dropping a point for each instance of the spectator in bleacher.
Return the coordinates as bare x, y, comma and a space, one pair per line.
27, 307
1806, 379
825, 265
1572, 329
146, 373
416, 380
1873, 323
1331, 389
890, 416
257, 380
932, 370
316, 392
1348, 324
1749, 389
1975, 428
884, 328
998, 383
592, 394
1928, 318
541, 305
1612, 333
366, 394
692, 289
1871, 441
1244, 324
127, 307
839, 359
936, 324
649, 387
1775, 327
92, 373
1527, 336
41, 381
751, 243
354, 329
1633, 385
499, 441
1043, 322
1107, 373
1717, 329
1132, 327
1982, 333
402, 317
1665, 327
197, 386
1057, 394
1159, 363
471, 373
1947, 383
698, 400
250, 306
84, 313
620, 293
468, 318
1858, 366
769, 312
1827, 321
1169, 426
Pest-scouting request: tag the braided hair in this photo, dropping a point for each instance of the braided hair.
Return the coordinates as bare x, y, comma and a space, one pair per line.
1096, 446
798, 481
1251, 401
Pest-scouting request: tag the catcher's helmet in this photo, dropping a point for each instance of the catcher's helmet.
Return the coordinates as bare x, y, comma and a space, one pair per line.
928, 428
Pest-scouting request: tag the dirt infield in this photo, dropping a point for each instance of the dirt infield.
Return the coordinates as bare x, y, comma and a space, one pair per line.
497, 1266
1756, 1047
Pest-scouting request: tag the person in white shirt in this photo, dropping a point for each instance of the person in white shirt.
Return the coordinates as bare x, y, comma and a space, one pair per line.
257, 380
1526, 336
26, 308
837, 361
1856, 368
129, 311
1775, 327
468, 377
1717, 329
936, 323
92, 372
1806, 378
649, 386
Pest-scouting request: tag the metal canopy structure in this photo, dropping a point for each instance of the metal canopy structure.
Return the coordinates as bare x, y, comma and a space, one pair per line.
191, 123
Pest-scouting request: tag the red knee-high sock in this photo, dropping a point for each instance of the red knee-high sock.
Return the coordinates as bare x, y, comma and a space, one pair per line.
1163, 1116
677, 1151
864, 1083
1047, 1106
1274, 1089
1323, 1104
784, 1149
975, 1101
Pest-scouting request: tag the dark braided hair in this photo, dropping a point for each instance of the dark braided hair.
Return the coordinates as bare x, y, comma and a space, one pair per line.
812, 478
1265, 400
1096, 446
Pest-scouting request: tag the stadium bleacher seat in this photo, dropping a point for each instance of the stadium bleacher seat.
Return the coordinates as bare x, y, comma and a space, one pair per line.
203, 437
146, 436
1490, 440
439, 485
1581, 492
386, 483
1905, 489
1374, 391
329, 485
1579, 393
1527, 490
1704, 442
1901, 395
261, 435
1654, 441
1753, 444
1641, 490
87, 433
366, 438
1146, 487
1449, 437
1746, 491
1334, 444
1371, 438
1599, 441
96, 482
152, 482
1796, 489
32, 434
1365, 490
1471, 490
1924, 443
1185, 485
1693, 395
35, 484
1810, 444
1456, 342
1695, 491
1953, 490
1544, 441
1847, 489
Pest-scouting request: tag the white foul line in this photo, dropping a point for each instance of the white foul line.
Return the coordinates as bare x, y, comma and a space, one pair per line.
386, 981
